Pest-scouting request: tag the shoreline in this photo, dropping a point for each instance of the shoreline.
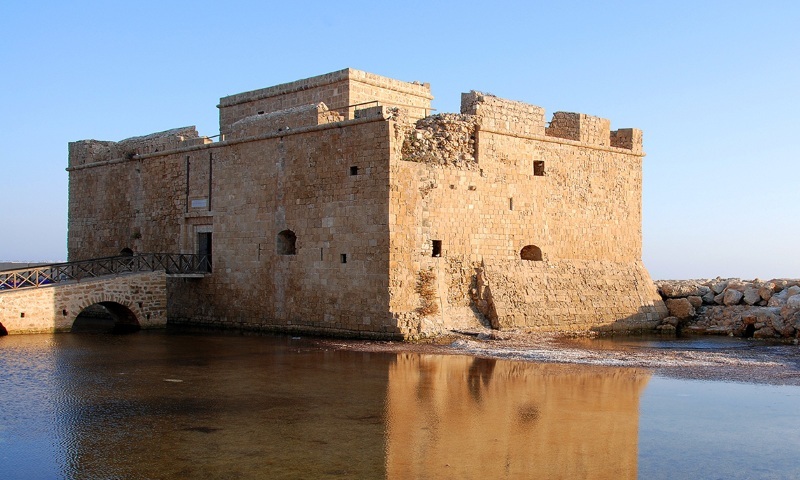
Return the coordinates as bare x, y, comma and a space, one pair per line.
697, 357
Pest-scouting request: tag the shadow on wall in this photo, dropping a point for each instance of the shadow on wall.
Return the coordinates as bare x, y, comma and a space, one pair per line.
647, 318
106, 317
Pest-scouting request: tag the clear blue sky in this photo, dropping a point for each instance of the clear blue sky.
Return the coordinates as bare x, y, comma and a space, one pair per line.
714, 85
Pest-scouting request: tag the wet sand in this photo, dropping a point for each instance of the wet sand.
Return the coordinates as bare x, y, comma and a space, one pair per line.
698, 357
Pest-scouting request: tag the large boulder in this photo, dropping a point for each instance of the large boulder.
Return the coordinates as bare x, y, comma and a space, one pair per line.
719, 287
766, 291
680, 308
708, 298
751, 295
732, 297
677, 289
778, 299
695, 300
793, 301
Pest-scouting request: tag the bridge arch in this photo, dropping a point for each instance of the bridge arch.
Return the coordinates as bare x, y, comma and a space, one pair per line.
106, 316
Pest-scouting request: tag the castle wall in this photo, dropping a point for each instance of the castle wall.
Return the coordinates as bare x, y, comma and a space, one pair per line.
398, 225
576, 202
337, 90
303, 183
325, 183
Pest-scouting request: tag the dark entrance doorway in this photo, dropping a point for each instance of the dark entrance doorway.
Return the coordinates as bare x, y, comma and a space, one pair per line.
204, 247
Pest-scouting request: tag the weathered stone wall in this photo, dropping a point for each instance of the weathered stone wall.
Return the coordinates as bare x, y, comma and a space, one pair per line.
301, 182
54, 308
282, 121
501, 115
580, 127
580, 207
337, 90
569, 295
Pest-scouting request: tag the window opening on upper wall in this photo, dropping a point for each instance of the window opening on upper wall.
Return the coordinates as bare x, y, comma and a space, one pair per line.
343, 258
353, 170
437, 248
538, 168
286, 243
531, 252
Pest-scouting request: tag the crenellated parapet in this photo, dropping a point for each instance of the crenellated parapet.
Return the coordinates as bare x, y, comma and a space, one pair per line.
503, 115
518, 118
84, 152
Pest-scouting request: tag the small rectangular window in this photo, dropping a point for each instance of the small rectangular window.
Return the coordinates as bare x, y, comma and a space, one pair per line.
343, 257
437, 248
538, 168
354, 170
511, 203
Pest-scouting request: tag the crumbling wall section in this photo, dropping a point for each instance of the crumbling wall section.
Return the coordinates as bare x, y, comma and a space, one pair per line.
444, 139
84, 152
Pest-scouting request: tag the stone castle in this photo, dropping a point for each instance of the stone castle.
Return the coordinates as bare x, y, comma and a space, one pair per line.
339, 205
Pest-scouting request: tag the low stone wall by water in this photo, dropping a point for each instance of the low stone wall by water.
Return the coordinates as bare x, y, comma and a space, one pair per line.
756, 308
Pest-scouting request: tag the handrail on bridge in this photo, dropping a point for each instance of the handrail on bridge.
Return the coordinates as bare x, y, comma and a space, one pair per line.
41, 275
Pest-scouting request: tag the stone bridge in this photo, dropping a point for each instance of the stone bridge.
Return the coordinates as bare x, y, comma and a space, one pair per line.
131, 290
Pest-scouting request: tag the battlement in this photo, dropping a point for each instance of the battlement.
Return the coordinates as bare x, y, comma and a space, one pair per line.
85, 152
341, 91
500, 114
520, 118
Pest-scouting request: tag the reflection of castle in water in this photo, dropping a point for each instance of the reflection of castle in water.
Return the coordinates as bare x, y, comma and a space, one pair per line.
463, 417
217, 407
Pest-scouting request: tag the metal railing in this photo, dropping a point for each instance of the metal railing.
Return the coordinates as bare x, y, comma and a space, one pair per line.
41, 275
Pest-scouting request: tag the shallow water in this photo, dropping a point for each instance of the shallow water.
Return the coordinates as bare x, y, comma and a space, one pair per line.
170, 405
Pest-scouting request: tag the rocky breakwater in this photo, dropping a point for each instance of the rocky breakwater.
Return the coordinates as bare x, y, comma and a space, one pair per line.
760, 309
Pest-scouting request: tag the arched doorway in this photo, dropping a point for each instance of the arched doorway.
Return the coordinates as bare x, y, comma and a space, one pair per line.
286, 243
531, 252
126, 252
3, 330
106, 317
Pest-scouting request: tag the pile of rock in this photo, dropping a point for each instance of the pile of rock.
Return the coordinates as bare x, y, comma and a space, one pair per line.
761, 309
446, 139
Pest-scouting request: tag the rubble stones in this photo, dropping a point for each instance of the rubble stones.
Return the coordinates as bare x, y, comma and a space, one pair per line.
761, 309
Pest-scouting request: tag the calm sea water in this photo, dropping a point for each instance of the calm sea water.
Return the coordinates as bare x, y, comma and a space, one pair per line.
168, 405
